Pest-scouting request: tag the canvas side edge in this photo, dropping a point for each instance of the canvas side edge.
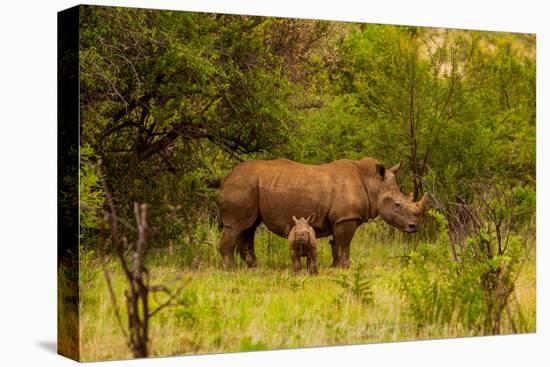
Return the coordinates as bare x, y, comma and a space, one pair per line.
68, 293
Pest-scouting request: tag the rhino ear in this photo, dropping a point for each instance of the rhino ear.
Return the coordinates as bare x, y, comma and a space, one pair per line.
380, 170
295, 220
410, 197
310, 219
395, 168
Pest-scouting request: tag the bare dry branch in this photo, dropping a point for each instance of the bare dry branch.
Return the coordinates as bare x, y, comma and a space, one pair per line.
137, 293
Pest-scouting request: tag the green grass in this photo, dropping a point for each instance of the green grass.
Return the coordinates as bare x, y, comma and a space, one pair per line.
268, 307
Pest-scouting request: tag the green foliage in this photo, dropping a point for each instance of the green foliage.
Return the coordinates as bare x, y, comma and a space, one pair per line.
474, 288
357, 284
523, 207
437, 289
349, 139
171, 99
91, 193
444, 102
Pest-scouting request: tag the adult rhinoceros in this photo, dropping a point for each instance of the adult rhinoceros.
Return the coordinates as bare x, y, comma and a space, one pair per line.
342, 195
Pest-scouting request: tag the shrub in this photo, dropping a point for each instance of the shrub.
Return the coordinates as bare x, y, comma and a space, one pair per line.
473, 288
357, 284
437, 289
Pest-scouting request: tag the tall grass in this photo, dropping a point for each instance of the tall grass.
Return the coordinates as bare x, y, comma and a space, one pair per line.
267, 307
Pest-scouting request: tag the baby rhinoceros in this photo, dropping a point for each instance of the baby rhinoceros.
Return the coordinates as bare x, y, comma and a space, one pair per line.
302, 242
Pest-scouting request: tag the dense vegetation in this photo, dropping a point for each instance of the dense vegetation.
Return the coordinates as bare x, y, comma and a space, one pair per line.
171, 101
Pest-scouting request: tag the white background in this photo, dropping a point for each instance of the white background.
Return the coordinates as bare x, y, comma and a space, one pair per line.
28, 182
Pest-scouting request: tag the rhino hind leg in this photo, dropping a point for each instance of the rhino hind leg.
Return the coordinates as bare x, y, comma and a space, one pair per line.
241, 240
246, 247
240, 218
228, 243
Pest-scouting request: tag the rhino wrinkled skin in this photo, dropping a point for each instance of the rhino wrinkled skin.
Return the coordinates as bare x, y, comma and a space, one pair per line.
342, 195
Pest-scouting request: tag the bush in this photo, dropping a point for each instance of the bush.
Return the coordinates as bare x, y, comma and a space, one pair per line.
472, 290
437, 289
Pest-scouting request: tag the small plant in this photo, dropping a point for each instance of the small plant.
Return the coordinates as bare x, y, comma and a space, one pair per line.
247, 344
297, 283
357, 284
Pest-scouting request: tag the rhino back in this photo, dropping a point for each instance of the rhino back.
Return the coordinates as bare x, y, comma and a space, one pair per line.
330, 191
278, 189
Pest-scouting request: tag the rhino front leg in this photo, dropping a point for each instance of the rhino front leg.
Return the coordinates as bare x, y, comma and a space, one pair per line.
343, 234
296, 263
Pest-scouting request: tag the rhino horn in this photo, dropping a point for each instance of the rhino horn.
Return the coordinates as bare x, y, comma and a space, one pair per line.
421, 204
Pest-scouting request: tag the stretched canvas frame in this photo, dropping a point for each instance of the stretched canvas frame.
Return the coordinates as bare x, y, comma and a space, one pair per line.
358, 284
